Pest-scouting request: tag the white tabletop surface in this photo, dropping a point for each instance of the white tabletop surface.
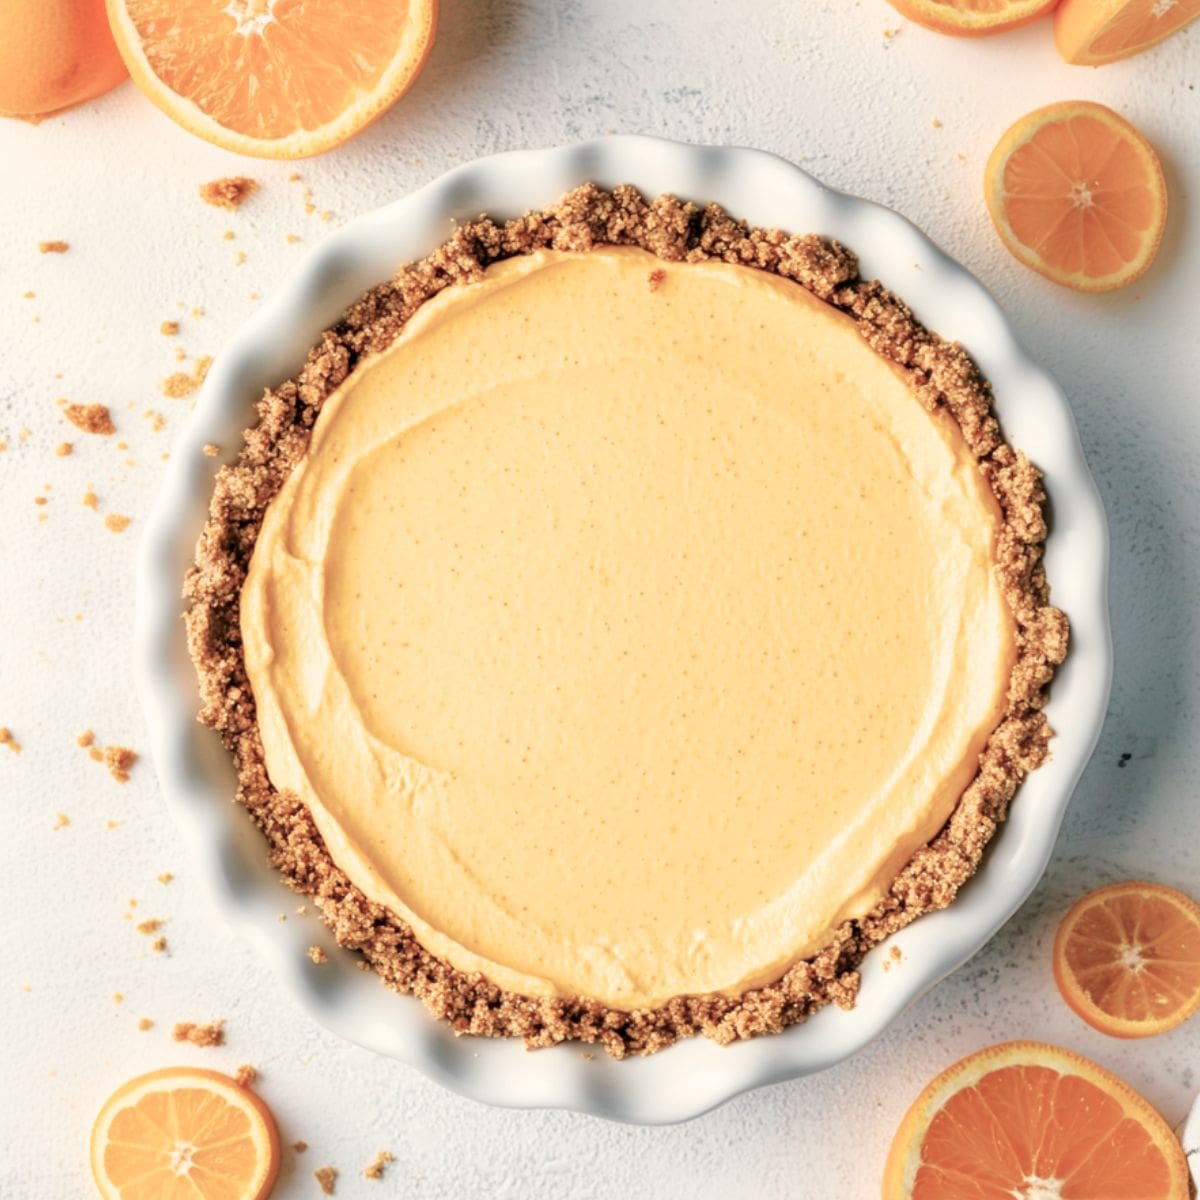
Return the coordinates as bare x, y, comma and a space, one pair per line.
852, 92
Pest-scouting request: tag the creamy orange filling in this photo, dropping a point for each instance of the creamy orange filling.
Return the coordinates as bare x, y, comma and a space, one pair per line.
626, 635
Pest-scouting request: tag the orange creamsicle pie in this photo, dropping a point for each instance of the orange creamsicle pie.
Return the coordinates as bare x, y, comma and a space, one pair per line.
625, 620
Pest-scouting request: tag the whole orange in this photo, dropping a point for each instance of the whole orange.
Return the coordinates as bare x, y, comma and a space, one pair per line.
53, 54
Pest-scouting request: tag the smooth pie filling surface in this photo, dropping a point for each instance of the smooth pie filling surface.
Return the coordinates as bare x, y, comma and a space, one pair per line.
627, 626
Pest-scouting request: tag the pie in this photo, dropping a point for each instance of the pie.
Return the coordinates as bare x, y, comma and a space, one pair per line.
625, 620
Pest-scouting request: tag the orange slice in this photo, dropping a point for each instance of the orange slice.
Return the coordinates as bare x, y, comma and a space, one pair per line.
1095, 32
275, 78
184, 1134
1127, 959
1035, 1122
972, 18
1078, 194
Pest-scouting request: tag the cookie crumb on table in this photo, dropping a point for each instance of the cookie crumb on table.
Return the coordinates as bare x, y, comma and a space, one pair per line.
317, 955
944, 380
55, 247
61, 821
656, 278
169, 328
117, 523
119, 760
211, 449
165, 877
377, 1168
182, 383
85, 739
212, 1034
7, 739
231, 192
327, 1178
245, 1075
91, 418
91, 500
63, 449
300, 1146
145, 1023
149, 925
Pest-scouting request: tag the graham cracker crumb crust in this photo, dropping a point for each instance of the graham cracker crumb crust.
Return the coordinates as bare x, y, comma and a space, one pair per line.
941, 375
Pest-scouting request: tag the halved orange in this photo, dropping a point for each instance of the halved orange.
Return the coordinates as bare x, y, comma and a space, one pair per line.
1078, 194
1127, 959
184, 1134
274, 78
1035, 1122
972, 18
1094, 32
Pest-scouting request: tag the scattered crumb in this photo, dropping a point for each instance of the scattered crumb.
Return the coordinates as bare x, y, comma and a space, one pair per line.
299, 1146
896, 953
377, 1168
117, 523
169, 328
157, 421
936, 123
165, 877
96, 754
112, 824
294, 177
252, 296
149, 925
326, 1177
327, 215
229, 193
91, 418
317, 955
239, 258
159, 945
211, 449
40, 500
118, 998
245, 1075
85, 739
198, 311
301, 909
180, 354
92, 501
961, 157
118, 760
63, 449
54, 247
656, 278
182, 384
61, 821
145, 1023
7, 739
293, 238
212, 1034
228, 235
29, 295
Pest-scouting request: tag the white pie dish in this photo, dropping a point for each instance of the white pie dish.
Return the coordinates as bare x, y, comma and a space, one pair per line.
195, 771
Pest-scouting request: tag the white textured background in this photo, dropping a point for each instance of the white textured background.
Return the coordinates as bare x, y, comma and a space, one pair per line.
819, 81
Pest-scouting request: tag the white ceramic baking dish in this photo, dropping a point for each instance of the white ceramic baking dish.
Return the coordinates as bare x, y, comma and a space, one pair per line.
197, 778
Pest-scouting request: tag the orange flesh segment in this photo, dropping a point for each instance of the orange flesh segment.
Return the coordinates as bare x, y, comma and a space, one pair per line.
279, 66
146, 1143
1077, 193
1143, 22
1135, 957
1021, 1126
